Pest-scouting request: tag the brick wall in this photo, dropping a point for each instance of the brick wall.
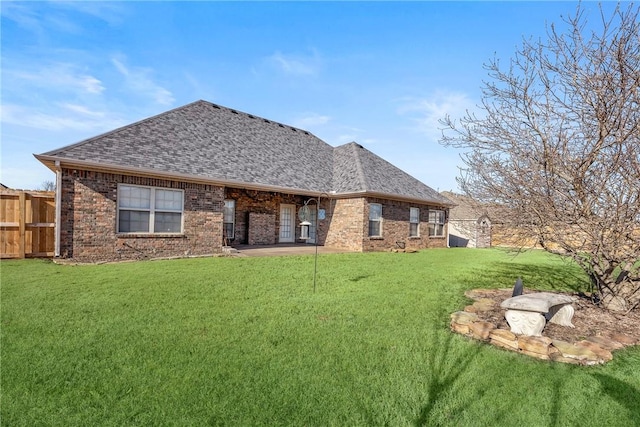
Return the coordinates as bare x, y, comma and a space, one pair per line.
88, 230
89, 212
346, 224
262, 229
395, 227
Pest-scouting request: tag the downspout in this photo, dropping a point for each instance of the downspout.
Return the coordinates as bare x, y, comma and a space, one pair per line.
58, 196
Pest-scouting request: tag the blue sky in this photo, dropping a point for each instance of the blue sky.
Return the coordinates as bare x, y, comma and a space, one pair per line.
378, 73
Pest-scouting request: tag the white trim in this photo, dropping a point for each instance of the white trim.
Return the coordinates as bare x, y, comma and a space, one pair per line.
233, 219
417, 223
443, 223
379, 220
152, 210
292, 225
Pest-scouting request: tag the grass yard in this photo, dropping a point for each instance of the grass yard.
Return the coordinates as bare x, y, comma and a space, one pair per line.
246, 342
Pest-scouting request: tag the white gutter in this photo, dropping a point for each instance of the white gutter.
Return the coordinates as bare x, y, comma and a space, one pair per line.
58, 195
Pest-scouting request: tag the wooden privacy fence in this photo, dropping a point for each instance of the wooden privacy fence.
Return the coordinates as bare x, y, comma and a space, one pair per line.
27, 223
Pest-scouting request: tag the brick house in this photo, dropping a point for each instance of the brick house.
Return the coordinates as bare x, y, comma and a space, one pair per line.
196, 178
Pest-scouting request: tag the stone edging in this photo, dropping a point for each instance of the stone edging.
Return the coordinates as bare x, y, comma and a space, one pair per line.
590, 351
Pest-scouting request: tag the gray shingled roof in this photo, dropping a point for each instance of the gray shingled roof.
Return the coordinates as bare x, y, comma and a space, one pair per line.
214, 143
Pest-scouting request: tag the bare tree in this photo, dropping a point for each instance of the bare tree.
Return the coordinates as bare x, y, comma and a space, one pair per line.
48, 186
557, 147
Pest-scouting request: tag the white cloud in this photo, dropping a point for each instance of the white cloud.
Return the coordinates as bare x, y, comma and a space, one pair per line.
427, 112
296, 64
308, 120
39, 17
139, 80
83, 110
68, 118
112, 13
58, 77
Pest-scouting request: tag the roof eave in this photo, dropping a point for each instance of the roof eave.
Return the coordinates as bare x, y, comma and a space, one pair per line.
51, 161
388, 196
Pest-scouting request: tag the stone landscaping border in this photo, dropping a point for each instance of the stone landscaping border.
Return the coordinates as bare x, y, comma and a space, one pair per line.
590, 351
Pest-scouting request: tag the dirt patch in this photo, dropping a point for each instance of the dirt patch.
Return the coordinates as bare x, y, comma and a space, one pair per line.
588, 319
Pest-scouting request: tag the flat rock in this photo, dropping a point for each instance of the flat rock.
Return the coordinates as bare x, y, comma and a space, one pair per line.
606, 343
624, 339
460, 328
604, 355
533, 344
481, 330
504, 338
483, 304
503, 334
558, 357
463, 317
575, 352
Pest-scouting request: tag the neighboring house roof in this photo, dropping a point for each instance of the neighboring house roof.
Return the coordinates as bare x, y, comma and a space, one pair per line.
465, 209
206, 142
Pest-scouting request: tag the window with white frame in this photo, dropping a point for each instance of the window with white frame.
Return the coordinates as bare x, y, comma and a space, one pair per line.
375, 220
229, 219
414, 222
149, 209
436, 223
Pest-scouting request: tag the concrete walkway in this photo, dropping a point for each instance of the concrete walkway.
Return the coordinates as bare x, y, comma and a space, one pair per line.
283, 249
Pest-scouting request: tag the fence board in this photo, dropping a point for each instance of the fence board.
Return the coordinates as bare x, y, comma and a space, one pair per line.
27, 223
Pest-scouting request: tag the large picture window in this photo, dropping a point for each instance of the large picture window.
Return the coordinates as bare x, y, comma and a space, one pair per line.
228, 219
375, 220
149, 209
414, 222
436, 223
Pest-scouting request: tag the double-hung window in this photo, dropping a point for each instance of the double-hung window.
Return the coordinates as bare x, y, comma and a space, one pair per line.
375, 220
414, 222
436, 223
149, 209
228, 219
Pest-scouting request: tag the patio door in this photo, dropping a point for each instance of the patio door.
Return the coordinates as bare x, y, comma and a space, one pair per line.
287, 224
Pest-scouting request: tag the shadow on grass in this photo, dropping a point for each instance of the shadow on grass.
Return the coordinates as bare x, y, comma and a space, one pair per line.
558, 278
623, 393
446, 365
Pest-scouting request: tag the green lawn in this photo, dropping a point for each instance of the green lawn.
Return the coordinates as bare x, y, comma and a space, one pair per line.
246, 342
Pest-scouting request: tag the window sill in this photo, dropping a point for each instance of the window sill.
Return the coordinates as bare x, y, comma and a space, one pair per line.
415, 237
149, 235
437, 237
376, 238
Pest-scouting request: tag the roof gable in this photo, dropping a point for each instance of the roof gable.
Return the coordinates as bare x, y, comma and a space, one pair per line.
218, 144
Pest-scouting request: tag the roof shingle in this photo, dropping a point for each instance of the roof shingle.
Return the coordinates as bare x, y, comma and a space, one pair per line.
219, 144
